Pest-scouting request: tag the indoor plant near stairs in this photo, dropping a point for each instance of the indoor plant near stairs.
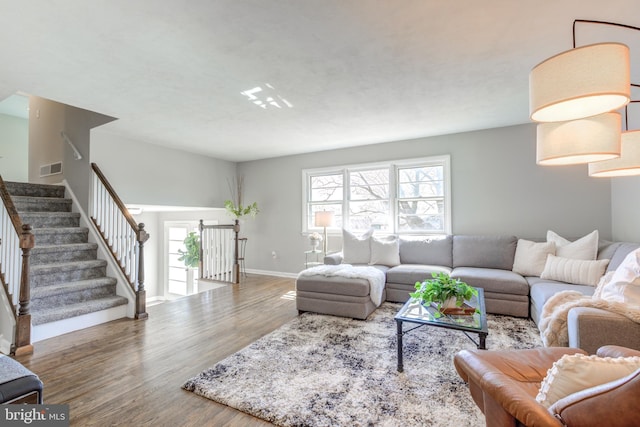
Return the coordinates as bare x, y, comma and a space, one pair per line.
234, 207
443, 292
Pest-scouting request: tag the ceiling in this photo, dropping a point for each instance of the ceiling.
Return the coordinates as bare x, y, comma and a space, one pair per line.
355, 72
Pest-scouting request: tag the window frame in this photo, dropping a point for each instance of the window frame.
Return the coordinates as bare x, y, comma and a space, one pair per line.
393, 166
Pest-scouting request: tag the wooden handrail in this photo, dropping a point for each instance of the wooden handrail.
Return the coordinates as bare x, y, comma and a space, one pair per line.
24, 240
114, 196
129, 258
10, 207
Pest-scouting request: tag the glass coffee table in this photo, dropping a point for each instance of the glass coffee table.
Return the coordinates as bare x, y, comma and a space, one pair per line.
421, 315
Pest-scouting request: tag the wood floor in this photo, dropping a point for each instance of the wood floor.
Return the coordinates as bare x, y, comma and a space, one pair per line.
130, 373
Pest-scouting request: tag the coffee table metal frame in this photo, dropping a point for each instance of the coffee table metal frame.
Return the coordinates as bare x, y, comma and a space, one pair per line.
416, 313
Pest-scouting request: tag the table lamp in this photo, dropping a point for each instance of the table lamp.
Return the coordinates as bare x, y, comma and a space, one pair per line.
324, 219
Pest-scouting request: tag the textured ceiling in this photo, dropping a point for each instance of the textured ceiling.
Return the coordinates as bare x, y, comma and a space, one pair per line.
355, 72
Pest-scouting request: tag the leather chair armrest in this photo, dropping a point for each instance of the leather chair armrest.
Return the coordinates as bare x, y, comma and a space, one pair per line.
516, 400
617, 351
595, 407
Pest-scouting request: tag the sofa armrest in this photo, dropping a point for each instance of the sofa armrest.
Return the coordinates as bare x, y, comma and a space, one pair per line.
591, 328
333, 259
617, 351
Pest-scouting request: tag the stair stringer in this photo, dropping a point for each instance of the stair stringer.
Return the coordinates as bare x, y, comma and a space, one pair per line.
123, 288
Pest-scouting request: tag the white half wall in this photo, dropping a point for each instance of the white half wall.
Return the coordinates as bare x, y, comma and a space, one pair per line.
497, 188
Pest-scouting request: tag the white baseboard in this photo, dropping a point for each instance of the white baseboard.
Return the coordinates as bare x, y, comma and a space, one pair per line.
273, 273
60, 327
5, 346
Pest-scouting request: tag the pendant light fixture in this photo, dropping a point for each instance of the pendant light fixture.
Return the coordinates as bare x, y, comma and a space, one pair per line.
628, 164
580, 83
573, 96
585, 140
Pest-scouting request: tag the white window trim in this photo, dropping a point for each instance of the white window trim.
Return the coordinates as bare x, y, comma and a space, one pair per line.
445, 160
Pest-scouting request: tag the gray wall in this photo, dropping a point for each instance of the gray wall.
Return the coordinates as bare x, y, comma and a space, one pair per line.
152, 175
497, 188
625, 208
14, 148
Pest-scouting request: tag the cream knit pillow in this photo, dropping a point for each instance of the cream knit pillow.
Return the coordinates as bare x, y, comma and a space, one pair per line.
576, 372
531, 257
584, 248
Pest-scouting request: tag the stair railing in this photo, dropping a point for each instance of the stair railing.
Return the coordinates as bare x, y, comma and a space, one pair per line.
122, 235
16, 242
219, 252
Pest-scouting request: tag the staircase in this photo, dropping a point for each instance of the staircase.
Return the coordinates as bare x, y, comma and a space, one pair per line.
66, 278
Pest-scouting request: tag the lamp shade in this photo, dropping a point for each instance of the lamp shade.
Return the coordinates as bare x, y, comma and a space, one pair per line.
579, 141
324, 219
580, 82
627, 164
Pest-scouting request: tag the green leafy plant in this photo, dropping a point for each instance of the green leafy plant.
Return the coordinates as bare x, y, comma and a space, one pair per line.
239, 211
190, 257
235, 207
440, 288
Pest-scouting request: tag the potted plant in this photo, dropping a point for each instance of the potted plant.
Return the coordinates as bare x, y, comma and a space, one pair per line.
443, 291
234, 207
190, 257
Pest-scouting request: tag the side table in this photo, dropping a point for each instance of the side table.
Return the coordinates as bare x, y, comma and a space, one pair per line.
313, 257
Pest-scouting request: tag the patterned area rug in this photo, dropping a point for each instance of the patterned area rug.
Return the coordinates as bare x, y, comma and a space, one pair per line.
320, 370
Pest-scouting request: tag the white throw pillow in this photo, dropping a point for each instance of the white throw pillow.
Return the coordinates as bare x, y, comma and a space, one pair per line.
576, 372
385, 251
577, 271
584, 248
356, 250
531, 257
624, 284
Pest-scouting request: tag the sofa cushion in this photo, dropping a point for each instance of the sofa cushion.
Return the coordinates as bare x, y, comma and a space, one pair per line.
334, 285
484, 251
583, 248
356, 250
430, 251
622, 249
541, 290
623, 285
384, 251
576, 271
492, 280
531, 257
411, 273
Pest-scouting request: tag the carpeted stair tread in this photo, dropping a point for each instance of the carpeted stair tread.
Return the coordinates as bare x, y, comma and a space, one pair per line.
60, 235
67, 252
63, 248
64, 288
50, 219
73, 310
37, 190
41, 204
66, 266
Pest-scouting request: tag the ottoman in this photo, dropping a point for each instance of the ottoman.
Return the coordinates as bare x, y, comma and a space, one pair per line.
334, 295
17, 383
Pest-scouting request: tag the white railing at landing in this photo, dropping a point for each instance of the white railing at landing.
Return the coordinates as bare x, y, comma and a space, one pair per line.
219, 252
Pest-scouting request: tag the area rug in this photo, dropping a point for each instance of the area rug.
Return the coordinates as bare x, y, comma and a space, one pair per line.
320, 370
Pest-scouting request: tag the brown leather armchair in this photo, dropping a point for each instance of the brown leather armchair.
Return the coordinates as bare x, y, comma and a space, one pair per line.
504, 385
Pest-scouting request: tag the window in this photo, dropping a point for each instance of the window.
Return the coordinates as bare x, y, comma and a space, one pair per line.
411, 196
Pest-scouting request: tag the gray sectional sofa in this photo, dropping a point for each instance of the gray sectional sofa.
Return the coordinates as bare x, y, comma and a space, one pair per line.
487, 262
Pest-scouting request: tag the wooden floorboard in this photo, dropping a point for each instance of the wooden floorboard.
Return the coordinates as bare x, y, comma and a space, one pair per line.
130, 372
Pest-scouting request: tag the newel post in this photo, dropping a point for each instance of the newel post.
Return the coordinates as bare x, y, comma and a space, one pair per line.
23, 322
141, 294
236, 263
